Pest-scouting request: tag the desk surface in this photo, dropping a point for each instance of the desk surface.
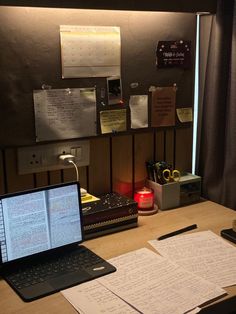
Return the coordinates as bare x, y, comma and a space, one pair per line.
207, 215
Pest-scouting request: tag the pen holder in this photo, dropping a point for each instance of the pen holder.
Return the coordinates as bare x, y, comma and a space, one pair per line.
166, 196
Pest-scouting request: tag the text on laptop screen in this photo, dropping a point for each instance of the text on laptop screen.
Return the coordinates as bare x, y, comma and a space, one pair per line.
37, 221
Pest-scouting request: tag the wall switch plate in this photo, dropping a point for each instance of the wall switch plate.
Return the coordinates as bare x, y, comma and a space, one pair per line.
39, 158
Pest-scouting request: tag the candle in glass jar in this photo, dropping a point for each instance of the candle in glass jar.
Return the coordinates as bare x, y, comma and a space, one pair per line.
145, 199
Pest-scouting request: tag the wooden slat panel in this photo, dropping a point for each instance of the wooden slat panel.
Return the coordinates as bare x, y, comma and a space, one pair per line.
160, 146
184, 149
16, 182
122, 165
143, 151
2, 188
55, 177
100, 165
169, 147
41, 179
70, 175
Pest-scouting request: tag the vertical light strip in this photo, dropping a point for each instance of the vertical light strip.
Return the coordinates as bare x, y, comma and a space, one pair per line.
196, 96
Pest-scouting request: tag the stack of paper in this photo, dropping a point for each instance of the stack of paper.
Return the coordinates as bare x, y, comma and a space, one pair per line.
144, 282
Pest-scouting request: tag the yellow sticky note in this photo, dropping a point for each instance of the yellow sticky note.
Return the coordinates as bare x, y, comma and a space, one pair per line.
113, 121
185, 114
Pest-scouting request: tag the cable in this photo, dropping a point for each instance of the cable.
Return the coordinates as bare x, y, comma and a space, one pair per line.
76, 169
67, 159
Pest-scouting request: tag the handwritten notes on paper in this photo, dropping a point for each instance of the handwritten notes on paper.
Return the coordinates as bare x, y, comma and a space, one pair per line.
92, 297
64, 113
146, 282
163, 106
139, 111
153, 284
113, 121
90, 51
203, 253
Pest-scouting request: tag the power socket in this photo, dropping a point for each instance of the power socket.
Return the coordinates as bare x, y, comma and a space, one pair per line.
44, 157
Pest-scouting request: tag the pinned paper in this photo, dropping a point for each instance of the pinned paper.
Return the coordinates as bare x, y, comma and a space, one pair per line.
185, 114
64, 113
139, 111
113, 121
90, 51
163, 106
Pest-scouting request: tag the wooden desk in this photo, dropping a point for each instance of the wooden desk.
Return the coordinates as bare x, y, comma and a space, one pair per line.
206, 215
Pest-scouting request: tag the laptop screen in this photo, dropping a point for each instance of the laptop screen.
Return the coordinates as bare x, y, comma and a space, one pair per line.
39, 220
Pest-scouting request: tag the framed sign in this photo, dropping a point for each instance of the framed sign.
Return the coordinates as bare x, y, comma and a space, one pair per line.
173, 54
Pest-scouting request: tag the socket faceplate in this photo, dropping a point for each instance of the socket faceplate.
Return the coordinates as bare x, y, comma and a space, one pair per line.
39, 158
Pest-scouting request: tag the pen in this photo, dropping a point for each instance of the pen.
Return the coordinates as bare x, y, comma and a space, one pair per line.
171, 234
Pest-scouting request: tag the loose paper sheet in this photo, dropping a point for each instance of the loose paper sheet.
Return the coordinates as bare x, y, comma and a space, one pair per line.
139, 111
185, 114
203, 253
163, 106
90, 51
64, 113
92, 297
113, 121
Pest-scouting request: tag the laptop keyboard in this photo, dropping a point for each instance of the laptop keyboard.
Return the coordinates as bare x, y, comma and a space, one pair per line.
40, 272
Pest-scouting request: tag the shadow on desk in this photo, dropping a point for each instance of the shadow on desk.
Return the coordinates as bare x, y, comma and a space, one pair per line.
227, 306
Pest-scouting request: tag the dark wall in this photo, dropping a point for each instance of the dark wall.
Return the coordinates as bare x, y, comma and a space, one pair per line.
148, 5
30, 57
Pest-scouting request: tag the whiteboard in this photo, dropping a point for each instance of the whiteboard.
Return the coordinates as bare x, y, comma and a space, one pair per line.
64, 113
90, 51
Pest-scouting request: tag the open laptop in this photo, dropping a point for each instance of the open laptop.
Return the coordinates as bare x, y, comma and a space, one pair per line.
40, 233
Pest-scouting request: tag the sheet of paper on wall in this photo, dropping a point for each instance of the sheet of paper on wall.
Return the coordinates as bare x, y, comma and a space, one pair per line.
92, 297
153, 284
163, 106
203, 253
113, 121
64, 113
185, 114
139, 111
90, 51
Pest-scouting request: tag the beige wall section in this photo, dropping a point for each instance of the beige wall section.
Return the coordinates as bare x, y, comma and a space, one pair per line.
143, 151
2, 188
122, 164
16, 182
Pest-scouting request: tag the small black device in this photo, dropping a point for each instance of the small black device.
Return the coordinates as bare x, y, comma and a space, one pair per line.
41, 233
229, 234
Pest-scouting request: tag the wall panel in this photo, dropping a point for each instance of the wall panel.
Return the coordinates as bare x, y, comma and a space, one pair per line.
41, 179
160, 146
100, 166
143, 151
183, 146
170, 146
2, 187
14, 181
122, 164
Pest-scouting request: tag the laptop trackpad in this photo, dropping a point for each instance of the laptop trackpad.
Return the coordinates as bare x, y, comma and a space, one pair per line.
73, 278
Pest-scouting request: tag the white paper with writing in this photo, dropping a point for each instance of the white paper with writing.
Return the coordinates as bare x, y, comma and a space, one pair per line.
64, 113
92, 297
203, 253
90, 51
139, 111
153, 284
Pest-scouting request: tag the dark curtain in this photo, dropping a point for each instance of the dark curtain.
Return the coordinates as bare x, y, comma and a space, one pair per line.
217, 122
